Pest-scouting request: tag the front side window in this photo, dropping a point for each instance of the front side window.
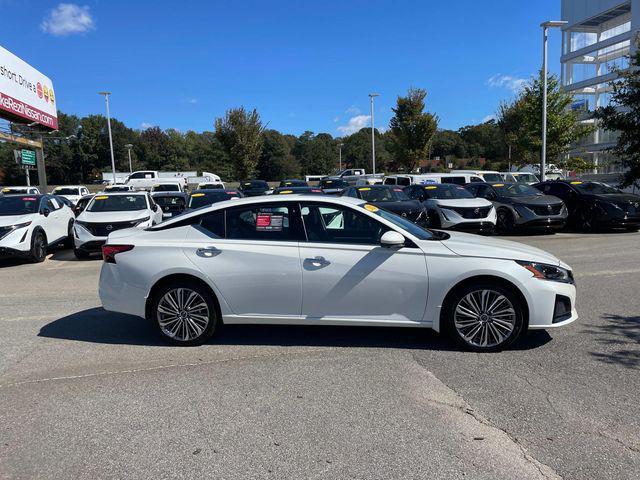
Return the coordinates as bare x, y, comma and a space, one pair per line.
259, 222
117, 203
338, 224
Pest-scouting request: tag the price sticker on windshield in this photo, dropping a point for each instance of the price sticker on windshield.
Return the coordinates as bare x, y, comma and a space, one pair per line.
430, 188
285, 192
498, 184
576, 183
197, 194
365, 189
371, 208
102, 197
267, 222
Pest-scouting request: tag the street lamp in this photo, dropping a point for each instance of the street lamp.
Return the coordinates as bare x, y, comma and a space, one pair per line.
113, 161
545, 27
373, 138
129, 146
340, 156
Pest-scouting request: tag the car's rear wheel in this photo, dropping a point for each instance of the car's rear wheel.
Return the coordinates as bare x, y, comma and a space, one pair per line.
484, 318
38, 247
585, 221
185, 313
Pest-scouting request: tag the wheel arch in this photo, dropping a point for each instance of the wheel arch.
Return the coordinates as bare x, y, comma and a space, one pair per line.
180, 277
477, 279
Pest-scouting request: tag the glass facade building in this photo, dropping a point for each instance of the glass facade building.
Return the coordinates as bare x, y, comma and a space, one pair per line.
597, 41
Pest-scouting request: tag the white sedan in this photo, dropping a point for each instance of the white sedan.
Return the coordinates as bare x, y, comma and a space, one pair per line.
314, 260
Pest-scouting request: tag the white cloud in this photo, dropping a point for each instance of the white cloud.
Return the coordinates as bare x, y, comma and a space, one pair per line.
509, 82
355, 124
68, 19
336, 119
145, 125
488, 118
192, 101
353, 110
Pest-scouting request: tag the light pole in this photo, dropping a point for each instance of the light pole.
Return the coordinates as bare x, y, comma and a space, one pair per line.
129, 146
545, 27
113, 161
340, 156
373, 138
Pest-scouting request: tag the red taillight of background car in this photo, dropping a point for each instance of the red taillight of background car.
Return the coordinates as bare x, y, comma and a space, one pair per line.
109, 252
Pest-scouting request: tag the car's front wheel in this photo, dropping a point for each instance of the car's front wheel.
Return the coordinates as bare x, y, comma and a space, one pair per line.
38, 247
185, 313
484, 318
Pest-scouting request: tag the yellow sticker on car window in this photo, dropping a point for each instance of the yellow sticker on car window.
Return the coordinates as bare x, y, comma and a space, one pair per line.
371, 208
576, 183
498, 184
285, 192
102, 197
198, 195
430, 188
6, 189
329, 181
365, 189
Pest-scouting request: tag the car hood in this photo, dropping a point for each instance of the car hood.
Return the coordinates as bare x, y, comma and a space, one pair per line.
105, 217
7, 220
532, 200
468, 245
399, 207
464, 202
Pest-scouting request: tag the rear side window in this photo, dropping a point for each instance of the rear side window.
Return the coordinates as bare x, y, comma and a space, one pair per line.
404, 181
214, 223
389, 181
265, 222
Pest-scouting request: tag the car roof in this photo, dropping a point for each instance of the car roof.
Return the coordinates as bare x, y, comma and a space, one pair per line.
167, 194
238, 202
130, 192
70, 186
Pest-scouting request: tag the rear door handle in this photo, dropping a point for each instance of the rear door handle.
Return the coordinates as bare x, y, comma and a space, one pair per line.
318, 261
208, 252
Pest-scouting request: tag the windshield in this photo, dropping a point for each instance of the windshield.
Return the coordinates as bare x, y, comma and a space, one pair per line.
117, 203
412, 228
166, 187
515, 190
210, 186
333, 183
66, 191
204, 199
14, 190
255, 184
491, 177
447, 192
382, 194
293, 183
117, 189
169, 201
18, 205
526, 178
594, 188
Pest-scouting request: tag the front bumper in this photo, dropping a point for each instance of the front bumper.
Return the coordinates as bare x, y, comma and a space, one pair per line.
544, 311
551, 223
85, 241
626, 221
474, 227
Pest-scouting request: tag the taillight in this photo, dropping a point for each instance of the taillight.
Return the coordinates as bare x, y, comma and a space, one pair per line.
109, 252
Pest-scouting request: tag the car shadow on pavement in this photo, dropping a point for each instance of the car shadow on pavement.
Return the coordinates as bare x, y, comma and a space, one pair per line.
620, 338
96, 325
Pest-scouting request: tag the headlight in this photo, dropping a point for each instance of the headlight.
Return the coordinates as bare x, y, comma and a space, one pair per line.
142, 220
545, 271
21, 225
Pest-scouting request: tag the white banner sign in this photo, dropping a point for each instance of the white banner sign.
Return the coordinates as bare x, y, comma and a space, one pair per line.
25, 93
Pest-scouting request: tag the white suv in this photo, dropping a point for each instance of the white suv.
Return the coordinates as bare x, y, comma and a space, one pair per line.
73, 193
29, 224
108, 212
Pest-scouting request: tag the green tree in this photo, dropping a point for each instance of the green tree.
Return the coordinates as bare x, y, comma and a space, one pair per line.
623, 116
276, 160
356, 150
240, 134
484, 140
317, 154
521, 121
446, 143
412, 129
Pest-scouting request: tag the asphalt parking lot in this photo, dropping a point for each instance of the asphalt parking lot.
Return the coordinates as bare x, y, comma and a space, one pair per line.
89, 394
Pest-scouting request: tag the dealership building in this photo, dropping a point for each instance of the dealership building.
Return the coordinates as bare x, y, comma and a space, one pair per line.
598, 39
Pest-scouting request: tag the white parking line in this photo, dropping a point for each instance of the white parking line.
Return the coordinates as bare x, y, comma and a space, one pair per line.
608, 273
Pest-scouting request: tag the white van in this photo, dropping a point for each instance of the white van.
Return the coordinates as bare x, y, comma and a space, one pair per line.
485, 175
425, 178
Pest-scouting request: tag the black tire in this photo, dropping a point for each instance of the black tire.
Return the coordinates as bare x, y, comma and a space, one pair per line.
505, 221
458, 325
585, 221
38, 252
434, 219
68, 242
81, 254
189, 323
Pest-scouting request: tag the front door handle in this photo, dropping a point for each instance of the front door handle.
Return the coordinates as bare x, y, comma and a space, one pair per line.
208, 252
318, 261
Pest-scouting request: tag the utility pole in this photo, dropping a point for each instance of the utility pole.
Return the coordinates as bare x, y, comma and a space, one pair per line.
340, 156
113, 161
373, 136
129, 146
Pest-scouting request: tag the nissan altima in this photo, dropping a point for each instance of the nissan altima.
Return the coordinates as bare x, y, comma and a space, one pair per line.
321, 260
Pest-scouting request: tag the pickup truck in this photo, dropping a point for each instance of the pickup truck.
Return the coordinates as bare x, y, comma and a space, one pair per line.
146, 179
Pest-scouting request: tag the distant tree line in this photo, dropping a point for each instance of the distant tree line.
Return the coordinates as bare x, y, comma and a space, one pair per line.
240, 147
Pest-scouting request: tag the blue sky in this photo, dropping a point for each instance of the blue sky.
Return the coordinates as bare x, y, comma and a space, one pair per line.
304, 65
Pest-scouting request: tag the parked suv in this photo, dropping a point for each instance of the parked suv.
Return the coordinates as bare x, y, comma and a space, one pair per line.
520, 205
390, 198
106, 213
29, 224
253, 188
73, 193
595, 204
453, 207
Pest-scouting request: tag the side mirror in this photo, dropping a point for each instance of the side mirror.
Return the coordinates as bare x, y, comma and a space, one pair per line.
392, 239
46, 211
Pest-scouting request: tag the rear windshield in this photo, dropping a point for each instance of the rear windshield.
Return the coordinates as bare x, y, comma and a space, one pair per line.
333, 183
382, 194
203, 199
173, 201
255, 184
167, 187
526, 178
18, 205
446, 191
210, 186
66, 191
516, 189
117, 203
293, 183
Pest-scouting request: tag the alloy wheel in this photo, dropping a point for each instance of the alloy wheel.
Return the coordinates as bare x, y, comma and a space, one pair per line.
183, 314
485, 318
